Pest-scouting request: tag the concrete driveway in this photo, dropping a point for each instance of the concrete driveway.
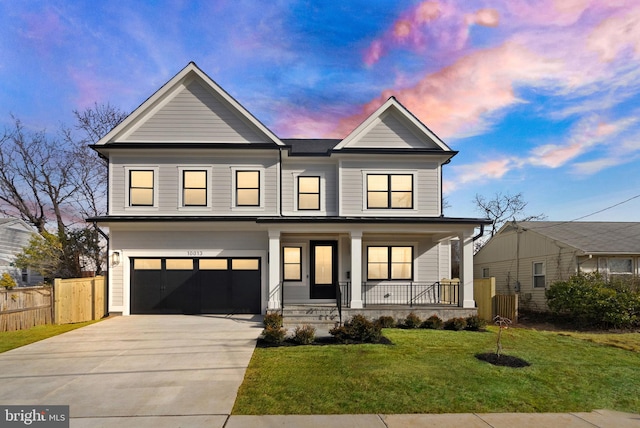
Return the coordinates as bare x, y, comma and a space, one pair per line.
174, 370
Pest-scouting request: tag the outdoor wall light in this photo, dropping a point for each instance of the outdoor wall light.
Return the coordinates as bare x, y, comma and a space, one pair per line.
115, 258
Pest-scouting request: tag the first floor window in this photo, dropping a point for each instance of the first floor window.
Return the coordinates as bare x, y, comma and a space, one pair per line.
140, 188
292, 260
248, 188
485, 273
620, 266
194, 188
538, 275
387, 262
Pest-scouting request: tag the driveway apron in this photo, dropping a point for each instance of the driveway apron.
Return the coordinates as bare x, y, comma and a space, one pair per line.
173, 366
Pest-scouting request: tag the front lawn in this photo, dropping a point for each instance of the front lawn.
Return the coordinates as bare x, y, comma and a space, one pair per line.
15, 339
435, 371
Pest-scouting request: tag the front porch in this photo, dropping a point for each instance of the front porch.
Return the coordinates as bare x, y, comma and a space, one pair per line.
397, 300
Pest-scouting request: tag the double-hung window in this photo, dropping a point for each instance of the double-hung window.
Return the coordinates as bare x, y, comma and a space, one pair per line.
194, 188
247, 188
292, 262
389, 191
141, 188
308, 193
389, 262
538, 275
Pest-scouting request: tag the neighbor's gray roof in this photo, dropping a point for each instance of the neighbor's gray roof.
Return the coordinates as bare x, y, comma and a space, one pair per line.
310, 146
592, 237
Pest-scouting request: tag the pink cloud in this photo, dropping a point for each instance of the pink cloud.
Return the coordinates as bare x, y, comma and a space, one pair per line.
616, 34
44, 30
431, 24
458, 100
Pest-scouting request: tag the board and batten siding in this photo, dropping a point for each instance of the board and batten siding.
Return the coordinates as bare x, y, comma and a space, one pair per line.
220, 189
328, 188
195, 114
390, 132
426, 190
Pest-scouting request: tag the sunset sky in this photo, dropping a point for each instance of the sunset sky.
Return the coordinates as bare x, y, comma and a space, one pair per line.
538, 96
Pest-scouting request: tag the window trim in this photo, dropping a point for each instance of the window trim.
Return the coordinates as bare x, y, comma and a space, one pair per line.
127, 184
534, 275
389, 261
389, 172
209, 171
234, 187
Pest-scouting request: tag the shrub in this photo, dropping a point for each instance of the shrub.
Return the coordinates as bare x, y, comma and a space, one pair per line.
455, 324
357, 329
274, 334
7, 281
304, 335
273, 319
434, 322
412, 321
589, 300
386, 321
475, 323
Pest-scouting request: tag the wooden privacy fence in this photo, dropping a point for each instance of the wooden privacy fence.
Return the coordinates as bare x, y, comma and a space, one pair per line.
24, 307
491, 304
79, 299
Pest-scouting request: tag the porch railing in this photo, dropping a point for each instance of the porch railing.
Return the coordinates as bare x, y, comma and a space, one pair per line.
411, 293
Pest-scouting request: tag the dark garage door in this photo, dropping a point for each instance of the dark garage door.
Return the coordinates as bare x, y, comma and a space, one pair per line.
193, 286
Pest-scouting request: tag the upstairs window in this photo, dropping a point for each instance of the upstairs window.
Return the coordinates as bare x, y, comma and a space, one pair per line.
538, 275
194, 188
140, 188
389, 191
247, 188
308, 193
389, 263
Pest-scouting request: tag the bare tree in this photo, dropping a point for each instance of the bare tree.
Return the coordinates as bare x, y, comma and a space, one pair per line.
501, 208
58, 180
36, 174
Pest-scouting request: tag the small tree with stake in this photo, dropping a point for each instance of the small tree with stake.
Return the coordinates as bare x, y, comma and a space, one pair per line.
502, 323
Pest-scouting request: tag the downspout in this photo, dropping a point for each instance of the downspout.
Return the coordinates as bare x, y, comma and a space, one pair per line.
479, 235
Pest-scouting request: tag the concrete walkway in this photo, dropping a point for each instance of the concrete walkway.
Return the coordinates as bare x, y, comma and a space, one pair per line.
184, 371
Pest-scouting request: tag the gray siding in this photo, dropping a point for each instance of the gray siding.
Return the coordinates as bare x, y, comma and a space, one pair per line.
426, 187
13, 238
195, 114
390, 132
328, 171
220, 190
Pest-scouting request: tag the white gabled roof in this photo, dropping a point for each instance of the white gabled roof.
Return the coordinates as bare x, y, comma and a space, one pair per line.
187, 75
394, 108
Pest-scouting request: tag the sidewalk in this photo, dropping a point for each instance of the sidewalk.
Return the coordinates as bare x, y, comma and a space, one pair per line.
597, 418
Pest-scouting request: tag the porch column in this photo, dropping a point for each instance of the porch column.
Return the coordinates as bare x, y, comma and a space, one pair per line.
274, 283
466, 270
356, 269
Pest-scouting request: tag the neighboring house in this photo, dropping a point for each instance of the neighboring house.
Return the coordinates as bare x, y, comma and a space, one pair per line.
210, 212
14, 236
527, 257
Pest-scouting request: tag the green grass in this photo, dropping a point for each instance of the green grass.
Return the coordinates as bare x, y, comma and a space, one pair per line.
15, 339
427, 371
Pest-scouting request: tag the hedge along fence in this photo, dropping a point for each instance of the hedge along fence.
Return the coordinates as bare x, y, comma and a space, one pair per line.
25, 307
79, 299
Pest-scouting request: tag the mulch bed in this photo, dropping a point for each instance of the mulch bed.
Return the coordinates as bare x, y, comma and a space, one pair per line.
319, 341
503, 360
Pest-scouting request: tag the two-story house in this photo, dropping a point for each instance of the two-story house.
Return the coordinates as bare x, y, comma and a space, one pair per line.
210, 212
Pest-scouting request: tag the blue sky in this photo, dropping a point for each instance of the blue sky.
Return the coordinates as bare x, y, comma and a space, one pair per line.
539, 97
